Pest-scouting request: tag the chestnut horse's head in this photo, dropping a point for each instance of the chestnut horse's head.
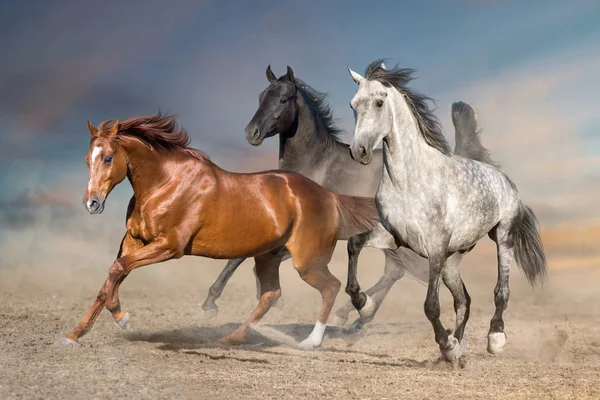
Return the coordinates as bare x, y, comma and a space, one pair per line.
107, 163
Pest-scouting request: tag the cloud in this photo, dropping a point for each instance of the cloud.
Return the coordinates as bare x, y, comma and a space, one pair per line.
68, 64
533, 116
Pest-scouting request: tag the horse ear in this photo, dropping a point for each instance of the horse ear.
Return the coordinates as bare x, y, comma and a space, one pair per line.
93, 130
356, 76
382, 66
290, 74
114, 130
270, 75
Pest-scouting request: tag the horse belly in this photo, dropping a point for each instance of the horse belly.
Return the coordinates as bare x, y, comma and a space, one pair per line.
241, 233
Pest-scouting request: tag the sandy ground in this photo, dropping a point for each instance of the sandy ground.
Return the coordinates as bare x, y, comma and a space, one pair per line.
169, 352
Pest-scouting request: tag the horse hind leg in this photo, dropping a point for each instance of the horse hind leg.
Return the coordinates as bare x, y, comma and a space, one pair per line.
505, 248
279, 303
267, 272
329, 286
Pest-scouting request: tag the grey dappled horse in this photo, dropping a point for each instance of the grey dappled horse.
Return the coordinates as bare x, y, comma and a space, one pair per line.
436, 203
309, 144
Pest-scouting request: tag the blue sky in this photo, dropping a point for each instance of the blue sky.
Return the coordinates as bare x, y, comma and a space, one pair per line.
529, 67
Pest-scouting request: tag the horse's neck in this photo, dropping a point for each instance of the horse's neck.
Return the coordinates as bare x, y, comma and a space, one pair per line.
301, 148
145, 168
406, 154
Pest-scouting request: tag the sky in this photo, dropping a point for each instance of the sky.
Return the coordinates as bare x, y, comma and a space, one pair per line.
530, 68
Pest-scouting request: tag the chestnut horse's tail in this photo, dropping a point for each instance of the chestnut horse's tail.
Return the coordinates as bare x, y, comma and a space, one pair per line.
357, 215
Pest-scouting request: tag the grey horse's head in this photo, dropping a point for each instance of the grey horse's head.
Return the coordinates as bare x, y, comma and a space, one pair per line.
277, 109
373, 111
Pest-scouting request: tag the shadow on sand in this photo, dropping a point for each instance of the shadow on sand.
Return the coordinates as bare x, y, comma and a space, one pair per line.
190, 340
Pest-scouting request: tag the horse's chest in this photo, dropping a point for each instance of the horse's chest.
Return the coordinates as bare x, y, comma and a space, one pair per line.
410, 218
139, 226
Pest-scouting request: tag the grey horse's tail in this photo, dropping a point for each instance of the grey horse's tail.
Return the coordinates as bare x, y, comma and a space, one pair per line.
468, 134
529, 252
357, 215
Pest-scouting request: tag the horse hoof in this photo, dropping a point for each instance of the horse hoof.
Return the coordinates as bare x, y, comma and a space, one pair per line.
308, 344
230, 340
207, 315
368, 309
124, 321
496, 342
66, 342
279, 303
452, 351
337, 320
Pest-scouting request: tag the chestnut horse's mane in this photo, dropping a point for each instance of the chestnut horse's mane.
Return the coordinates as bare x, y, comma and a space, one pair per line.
158, 131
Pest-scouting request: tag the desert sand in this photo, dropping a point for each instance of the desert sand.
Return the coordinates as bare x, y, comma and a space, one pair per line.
169, 351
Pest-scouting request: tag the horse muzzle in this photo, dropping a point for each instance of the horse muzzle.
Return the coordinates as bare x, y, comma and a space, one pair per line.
94, 205
361, 153
254, 135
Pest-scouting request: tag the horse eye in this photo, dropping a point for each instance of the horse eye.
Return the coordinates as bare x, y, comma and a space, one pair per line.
379, 103
283, 100
108, 159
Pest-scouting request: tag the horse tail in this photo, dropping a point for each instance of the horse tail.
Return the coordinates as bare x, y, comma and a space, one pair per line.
357, 215
468, 134
529, 252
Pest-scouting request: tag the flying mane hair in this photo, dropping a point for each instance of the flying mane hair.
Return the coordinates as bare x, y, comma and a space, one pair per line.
159, 131
317, 102
428, 123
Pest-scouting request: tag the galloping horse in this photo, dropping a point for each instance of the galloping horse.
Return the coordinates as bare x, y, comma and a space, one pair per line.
309, 144
436, 203
183, 204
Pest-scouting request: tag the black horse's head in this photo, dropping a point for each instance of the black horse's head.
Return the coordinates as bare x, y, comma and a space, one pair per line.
277, 108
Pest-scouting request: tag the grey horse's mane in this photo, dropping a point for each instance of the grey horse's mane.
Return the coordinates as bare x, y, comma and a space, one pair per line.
317, 102
428, 123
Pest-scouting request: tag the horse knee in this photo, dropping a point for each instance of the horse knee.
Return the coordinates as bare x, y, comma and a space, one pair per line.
116, 271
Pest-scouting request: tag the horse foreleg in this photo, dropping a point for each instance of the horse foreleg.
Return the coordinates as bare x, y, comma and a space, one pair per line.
391, 274
449, 346
152, 253
377, 237
462, 300
113, 304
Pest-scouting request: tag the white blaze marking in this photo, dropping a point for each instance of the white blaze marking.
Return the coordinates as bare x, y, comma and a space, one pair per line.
95, 154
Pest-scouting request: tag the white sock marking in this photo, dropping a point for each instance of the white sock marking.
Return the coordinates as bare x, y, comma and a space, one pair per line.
316, 336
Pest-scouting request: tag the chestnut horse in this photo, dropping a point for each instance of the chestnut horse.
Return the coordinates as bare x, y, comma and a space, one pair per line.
184, 204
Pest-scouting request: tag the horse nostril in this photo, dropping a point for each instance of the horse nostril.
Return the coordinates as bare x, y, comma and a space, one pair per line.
93, 204
363, 151
256, 133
